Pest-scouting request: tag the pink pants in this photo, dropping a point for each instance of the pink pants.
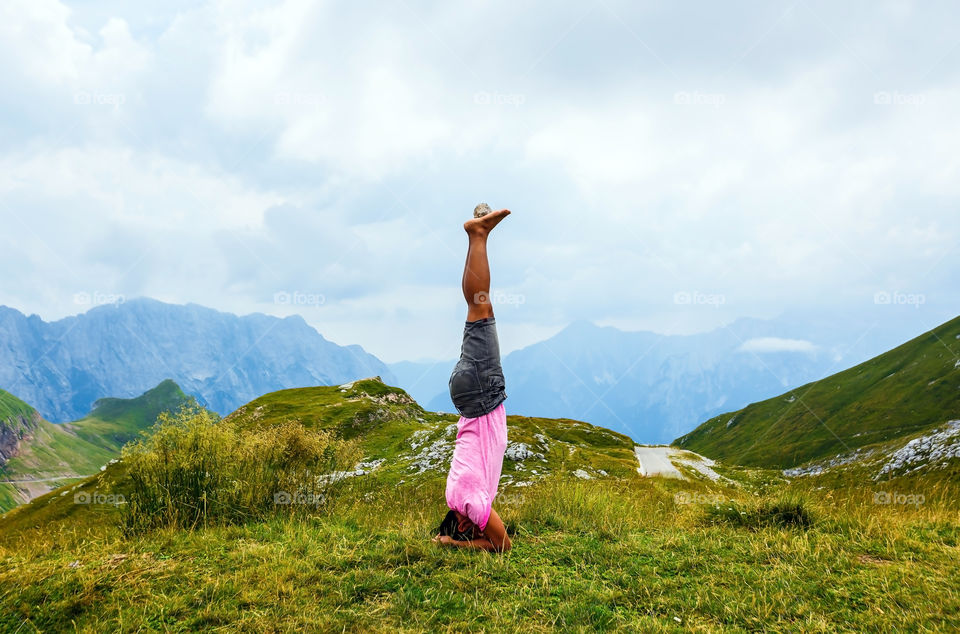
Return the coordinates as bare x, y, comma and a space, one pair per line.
476, 465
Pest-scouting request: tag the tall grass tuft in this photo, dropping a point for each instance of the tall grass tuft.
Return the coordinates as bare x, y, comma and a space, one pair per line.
195, 469
603, 508
784, 511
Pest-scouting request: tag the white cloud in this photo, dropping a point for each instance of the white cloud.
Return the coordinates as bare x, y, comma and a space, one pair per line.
42, 47
776, 344
334, 148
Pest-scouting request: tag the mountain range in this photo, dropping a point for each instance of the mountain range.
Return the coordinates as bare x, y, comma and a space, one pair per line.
649, 386
899, 409
121, 350
655, 387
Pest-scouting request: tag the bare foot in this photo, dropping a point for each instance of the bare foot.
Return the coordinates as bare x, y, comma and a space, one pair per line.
484, 225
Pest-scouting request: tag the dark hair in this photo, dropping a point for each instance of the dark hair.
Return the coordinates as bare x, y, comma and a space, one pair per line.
449, 527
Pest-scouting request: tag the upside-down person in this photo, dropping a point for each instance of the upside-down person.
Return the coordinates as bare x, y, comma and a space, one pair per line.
477, 388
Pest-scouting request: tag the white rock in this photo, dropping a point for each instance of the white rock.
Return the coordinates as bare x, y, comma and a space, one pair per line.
822, 465
481, 210
435, 456
419, 437
938, 446
361, 468
518, 452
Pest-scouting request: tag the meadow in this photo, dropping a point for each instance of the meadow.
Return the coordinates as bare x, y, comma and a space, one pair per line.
617, 554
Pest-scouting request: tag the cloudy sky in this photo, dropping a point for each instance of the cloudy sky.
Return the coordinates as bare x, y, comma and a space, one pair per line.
671, 166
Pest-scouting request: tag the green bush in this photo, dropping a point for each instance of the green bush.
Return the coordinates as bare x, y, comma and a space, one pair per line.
194, 469
781, 512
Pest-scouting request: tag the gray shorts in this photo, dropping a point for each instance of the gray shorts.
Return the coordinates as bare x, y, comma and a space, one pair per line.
477, 385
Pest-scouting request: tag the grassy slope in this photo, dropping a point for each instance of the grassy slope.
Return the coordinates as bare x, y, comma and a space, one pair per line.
901, 393
80, 448
11, 406
12, 410
589, 555
611, 553
116, 421
385, 418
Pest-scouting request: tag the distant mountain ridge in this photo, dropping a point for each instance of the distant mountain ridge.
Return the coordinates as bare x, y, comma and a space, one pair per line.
911, 391
655, 387
63, 367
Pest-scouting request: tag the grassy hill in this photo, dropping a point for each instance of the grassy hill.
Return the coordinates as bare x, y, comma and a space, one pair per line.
413, 442
400, 441
11, 406
51, 455
597, 547
905, 393
114, 422
17, 422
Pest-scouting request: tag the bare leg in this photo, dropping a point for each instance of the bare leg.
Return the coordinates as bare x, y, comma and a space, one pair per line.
476, 271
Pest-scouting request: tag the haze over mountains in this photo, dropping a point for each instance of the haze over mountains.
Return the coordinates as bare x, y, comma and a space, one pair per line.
62, 367
867, 410
656, 387
649, 386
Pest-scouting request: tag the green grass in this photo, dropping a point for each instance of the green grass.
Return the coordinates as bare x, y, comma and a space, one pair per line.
11, 406
901, 393
614, 553
383, 419
596, 555
114, 422
81, 447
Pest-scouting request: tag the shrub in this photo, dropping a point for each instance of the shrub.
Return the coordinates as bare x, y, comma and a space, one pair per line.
782, 512
194, 469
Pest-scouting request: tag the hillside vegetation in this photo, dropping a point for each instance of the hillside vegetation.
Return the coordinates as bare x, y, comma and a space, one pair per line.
11, 407
908, 392
51, 454
597, 547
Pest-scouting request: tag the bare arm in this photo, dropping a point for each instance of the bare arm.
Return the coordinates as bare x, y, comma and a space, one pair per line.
481, 543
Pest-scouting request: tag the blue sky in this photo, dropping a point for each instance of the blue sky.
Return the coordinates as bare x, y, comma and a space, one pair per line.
671, 167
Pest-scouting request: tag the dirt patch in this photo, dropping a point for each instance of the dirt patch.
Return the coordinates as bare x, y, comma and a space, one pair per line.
872, 560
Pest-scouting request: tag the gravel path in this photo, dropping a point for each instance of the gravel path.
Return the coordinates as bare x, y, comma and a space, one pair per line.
658, 460
655, 461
